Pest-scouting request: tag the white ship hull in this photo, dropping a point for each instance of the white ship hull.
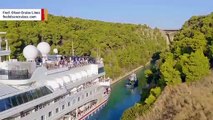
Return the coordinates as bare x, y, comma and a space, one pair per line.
69, 96
55, 88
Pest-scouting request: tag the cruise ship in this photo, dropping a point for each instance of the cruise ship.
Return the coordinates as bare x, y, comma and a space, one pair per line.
50, 87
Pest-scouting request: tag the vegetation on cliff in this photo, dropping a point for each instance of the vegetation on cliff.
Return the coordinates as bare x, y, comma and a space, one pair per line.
188, 60
192, 101
123, 46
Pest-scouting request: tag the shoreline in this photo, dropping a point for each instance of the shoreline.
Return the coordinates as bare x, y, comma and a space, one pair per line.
128, 73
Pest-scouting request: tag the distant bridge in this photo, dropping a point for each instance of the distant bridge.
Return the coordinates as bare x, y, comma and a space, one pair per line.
169, 34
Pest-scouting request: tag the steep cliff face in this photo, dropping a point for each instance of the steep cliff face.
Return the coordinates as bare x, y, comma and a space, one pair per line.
184, 102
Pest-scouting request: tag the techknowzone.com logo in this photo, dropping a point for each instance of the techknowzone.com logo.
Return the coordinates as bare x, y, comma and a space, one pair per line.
23, 14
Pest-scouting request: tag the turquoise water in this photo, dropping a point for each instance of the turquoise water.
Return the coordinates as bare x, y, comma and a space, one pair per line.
120, 99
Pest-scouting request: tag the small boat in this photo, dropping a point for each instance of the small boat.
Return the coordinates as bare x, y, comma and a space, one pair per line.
132, 81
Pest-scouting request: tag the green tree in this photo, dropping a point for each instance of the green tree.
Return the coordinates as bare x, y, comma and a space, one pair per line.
168, 71
194, 66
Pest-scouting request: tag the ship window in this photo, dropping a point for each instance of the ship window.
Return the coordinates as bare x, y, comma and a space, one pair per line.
68, 103
38, 91
8, 104
62, 107
5, 104
19, 99
34, 94
13, 100
87, 94
2, 105
78, 98
24, 96
56, 110
100, 70
29, 96
45, 91
50, 114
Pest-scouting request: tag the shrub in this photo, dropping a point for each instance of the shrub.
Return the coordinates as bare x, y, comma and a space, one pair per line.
151, 99
156, 91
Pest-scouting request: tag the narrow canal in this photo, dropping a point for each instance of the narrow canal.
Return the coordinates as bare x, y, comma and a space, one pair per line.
120, 99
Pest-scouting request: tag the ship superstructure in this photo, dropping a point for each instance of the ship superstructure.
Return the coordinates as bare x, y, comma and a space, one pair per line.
50, 87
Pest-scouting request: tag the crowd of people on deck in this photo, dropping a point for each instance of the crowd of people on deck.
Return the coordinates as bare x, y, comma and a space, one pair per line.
75, 61
65, 61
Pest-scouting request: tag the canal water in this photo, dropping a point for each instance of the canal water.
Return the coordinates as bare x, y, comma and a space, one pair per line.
121, 98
